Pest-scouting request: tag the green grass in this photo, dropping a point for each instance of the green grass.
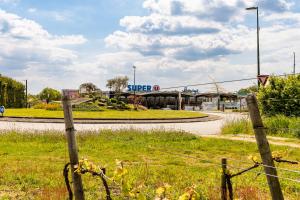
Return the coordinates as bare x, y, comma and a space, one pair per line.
278, 125
114, 114
31, 164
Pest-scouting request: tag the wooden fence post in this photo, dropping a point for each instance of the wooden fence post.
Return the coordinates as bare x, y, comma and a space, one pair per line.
72, 146
264, 148
223, 179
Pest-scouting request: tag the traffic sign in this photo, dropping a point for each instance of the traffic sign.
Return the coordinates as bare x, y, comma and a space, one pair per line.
263, 79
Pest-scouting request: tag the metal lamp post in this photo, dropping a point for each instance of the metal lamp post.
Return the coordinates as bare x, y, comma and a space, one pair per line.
258, 53
134, 68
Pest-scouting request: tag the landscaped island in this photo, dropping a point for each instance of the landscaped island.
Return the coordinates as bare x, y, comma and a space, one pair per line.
105, 114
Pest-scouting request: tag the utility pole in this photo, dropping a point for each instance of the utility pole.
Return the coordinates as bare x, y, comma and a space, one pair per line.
134, 87
26, 93
294, 71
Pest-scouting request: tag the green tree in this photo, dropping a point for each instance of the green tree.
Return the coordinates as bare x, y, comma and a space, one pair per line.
117, 84
281, 96
12, 93
88, 88
50, 94
248, 90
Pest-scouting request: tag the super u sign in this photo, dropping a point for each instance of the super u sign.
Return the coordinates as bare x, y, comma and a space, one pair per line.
143, 88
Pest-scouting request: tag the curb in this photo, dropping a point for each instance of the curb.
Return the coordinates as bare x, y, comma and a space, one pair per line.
111, 121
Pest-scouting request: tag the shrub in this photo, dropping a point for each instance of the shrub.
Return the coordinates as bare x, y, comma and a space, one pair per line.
50, 106
280, 96
53, 106
90, 106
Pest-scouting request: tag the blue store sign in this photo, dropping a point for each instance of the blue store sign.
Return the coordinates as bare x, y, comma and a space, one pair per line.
142, 88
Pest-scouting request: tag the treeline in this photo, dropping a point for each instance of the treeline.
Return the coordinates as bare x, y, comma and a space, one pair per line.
12, 93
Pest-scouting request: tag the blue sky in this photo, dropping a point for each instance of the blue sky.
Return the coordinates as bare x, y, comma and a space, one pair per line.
61, 44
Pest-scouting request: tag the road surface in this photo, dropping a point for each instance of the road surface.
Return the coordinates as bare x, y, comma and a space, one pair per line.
197, 128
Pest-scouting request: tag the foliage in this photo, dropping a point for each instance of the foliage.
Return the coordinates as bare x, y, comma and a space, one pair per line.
117, 84
283, 126
50, 106
12, 93
89, 106
33, 100
278, 125
89, 88
115, 104
281, 96
248, 90
50, 94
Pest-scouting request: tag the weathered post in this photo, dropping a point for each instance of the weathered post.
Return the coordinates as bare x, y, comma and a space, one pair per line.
223, 179
72, 146
264, 148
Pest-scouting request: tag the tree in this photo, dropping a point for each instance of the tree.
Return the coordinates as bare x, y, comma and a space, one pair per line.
281, 96
87, 88
50, 94
248, 90
117, 84
12, 93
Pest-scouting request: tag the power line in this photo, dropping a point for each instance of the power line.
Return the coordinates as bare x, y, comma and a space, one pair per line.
228, 81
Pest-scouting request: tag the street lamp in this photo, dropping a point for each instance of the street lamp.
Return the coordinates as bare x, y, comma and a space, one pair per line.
26, 92
258, 56
134, 87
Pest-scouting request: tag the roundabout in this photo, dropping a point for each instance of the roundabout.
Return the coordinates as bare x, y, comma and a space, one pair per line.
208, 126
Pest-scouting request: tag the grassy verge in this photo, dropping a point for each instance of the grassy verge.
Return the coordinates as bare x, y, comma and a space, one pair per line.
31, 164
276, 126
115, 114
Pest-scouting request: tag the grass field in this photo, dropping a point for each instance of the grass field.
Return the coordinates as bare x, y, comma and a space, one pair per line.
114, 114
31, 164
278, 125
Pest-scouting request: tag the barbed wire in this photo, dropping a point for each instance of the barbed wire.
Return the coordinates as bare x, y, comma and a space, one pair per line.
248, 163
290, 179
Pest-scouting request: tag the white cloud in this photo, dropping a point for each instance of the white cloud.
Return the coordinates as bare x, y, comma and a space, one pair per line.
180, 42
172, 40
27, 46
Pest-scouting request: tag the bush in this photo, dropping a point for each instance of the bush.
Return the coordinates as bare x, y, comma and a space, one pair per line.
87, 107
50, 106
280, 96
283, 126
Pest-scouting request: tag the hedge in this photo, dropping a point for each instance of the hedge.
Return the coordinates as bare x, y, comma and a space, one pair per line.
12, 93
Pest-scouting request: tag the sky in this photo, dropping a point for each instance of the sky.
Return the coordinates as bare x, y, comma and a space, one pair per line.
63, 43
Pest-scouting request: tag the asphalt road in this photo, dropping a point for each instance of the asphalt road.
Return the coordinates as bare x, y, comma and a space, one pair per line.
197, 128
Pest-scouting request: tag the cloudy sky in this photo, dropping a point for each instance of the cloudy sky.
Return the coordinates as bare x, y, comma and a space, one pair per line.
62, 43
